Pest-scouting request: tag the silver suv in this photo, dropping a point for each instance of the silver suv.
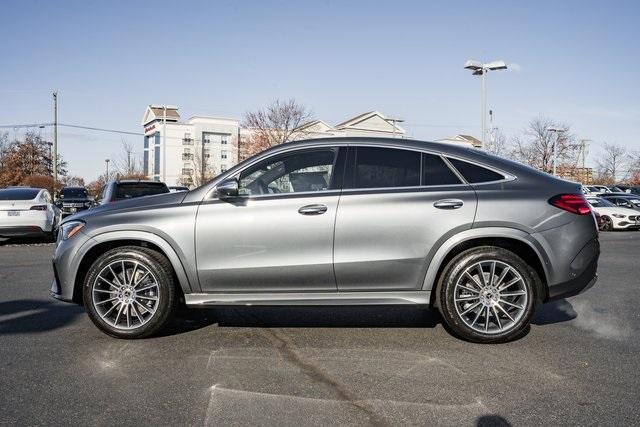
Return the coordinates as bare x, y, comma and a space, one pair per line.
338, 221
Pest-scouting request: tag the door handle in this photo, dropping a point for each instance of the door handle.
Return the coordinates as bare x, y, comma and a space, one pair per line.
312, 210
448, 204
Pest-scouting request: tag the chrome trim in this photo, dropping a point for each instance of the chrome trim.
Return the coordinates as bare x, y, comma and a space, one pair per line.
311, 298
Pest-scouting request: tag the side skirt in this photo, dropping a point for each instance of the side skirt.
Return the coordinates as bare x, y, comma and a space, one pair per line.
311, 298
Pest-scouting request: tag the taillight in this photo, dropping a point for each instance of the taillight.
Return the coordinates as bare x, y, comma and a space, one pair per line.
574, 203
38, 208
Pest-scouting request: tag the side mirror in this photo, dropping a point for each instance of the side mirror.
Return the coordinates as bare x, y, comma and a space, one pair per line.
227, 189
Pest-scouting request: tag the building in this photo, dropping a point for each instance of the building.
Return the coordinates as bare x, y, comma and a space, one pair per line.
579, 174
187, 152
192, 151
466, 140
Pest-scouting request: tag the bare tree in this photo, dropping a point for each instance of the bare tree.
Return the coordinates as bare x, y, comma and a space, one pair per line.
536, 146
277, 123
127, 166
614, 162
201, 172
497, 143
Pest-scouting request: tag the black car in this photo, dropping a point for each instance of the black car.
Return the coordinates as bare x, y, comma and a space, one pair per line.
131, 189
73, 199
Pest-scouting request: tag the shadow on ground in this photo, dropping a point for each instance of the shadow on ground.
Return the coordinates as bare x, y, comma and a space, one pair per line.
25, 241
35, 316
554, 312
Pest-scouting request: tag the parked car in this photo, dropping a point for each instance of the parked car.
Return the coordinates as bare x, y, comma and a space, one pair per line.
599, 220
614, 217
590, 189
27, 212
73, 199
630, 189
600, 189
339, 221
624, 200
176, 188
131, 189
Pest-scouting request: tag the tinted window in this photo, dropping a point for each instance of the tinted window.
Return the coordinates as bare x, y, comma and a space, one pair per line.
436, 172
138, 189
474, 173
18, 194
386, 167
600, 203
291, 173
73, 193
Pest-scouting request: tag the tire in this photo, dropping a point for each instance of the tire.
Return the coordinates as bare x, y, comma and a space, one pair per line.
608, 224
136, 305
480, 310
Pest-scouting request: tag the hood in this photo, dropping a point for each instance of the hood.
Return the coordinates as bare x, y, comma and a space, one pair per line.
146, 202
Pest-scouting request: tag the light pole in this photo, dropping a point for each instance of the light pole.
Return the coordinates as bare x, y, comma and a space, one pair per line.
106, 163
558, 133
480, 69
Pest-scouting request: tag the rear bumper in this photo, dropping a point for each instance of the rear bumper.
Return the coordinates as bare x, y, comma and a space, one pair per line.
22, 231
585, 264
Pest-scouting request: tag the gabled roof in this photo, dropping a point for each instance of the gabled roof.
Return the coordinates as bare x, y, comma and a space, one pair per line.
359, 122
314, 126
465, 139
154, 112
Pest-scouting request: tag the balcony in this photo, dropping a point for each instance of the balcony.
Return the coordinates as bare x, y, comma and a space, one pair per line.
187, 156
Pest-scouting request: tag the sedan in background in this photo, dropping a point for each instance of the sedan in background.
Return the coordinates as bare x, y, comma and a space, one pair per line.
131, 189
614, 217
73, 199
629, 201
28, 212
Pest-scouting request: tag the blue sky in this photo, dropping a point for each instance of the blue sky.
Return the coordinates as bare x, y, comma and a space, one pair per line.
575, 61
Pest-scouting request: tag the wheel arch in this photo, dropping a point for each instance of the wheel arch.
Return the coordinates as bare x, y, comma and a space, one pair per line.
102, 243
517, 241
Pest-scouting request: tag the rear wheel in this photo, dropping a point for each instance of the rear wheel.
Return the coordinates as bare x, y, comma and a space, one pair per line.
488, 295
129, 292
608, 224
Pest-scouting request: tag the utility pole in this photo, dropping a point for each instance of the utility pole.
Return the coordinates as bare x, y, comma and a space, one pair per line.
164, 144
106, 162
54, 159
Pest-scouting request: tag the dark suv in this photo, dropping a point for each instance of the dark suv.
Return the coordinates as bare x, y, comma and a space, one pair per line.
131, 189
73, 199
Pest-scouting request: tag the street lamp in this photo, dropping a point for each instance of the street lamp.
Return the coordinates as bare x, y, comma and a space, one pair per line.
480, 69
558, 133
106, 163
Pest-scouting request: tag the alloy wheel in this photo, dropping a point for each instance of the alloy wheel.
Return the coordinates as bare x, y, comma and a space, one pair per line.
491, 297
125, 294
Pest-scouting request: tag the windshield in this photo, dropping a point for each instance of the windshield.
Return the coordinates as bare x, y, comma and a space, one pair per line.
132, 190
73, 193
19, 193
600, 203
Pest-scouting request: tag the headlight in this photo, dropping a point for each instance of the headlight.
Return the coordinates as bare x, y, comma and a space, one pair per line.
70, 229
618, 215
87, 204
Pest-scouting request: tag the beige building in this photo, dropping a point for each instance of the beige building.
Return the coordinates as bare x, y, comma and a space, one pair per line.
466, 140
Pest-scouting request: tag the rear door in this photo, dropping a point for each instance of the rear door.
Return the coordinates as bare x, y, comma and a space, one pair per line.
396, 205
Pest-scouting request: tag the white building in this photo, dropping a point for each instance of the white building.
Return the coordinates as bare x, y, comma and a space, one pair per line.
466, 140
196, 148
190, 152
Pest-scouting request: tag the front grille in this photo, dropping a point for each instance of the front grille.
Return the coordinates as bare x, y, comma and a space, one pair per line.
633, 218
73, 205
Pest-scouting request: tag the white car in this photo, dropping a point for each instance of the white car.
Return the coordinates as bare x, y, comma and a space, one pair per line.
614, 217
27, 212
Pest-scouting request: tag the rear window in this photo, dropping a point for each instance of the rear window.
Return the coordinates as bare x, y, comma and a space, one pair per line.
139, 189
436, 172
600, 203
475, 174
386, 167
18, 194
74, 193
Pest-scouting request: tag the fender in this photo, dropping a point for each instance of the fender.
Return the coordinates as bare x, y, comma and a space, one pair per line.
188, 284
476, 233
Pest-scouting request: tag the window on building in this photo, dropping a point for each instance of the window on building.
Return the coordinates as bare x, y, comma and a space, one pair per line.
386, 167
223, 154
223, 141
187, 171
187, 140
223, 168
436, 172
474, 173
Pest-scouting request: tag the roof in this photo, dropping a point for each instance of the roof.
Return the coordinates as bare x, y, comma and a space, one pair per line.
352, 122
463, 139
155, 112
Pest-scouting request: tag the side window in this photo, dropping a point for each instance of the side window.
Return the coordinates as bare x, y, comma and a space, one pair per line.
386, 167
289, 173
436, 172
474, 173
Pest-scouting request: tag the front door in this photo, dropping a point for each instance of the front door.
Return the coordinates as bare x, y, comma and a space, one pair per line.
278, 235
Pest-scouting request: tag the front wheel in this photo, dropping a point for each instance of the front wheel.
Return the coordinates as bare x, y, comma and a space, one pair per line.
488, 295
608, 224
129, 292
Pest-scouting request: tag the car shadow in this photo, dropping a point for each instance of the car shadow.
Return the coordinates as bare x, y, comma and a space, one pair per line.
25, 241
492, 421
35, 316
554, 312
305, 317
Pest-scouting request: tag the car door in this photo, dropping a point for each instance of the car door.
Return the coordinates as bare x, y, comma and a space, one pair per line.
395, 206
277, 236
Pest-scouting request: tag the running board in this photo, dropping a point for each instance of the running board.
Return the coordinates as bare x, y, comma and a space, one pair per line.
311, 298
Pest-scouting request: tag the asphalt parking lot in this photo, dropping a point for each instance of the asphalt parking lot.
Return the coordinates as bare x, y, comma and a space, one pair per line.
578, 365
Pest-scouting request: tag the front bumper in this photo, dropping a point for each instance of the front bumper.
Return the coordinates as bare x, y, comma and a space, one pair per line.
65, 262
23, 231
